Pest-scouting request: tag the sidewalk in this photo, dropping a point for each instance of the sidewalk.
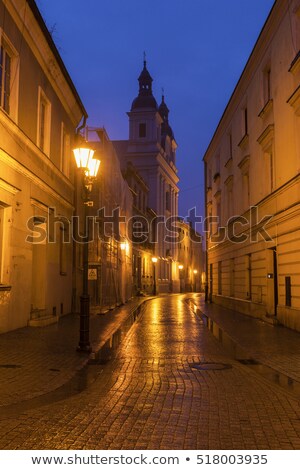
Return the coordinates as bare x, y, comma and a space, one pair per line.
275, 346
36, 361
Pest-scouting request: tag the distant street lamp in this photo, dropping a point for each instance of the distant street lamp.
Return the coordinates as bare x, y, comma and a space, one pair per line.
195, 284
89, 166
154, 261
180, 267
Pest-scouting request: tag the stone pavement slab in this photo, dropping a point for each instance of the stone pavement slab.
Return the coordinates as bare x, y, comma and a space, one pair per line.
152, 396
36, 361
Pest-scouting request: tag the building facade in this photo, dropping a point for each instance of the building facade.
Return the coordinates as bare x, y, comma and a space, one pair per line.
151, 149
110, 247
190, 258
140, 233
252, 169
39, 112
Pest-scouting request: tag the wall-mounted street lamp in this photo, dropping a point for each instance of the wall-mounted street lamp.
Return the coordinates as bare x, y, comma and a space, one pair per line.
154, 261
124, 247
89, 166
180, 267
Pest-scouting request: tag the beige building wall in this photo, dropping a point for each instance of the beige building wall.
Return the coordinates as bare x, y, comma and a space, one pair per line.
36, 172
110, 249
253, 171
190, 257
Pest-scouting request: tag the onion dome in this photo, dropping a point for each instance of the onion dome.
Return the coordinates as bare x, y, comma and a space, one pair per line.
145, 98
166, 129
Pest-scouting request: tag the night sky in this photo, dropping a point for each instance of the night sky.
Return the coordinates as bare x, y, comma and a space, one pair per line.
195, 49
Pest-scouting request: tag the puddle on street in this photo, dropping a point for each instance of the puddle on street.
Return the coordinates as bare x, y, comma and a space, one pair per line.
240, 354
82, 379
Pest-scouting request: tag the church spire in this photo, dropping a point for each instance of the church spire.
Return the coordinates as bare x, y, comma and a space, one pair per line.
166, 129
145, 98
163, 108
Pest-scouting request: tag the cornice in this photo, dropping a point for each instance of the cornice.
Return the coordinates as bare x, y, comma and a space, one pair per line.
268, 107
16, 166
270, 27
266, 138
244, 142
166, 167
294, 101
6, 186
14, 130
295, 65
228, 163
244, 164
229, 182
47, 56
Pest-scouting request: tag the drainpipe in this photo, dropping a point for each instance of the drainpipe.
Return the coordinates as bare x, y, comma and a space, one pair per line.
206, 233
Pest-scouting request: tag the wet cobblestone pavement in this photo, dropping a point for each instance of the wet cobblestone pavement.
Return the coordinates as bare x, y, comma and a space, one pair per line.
151, 397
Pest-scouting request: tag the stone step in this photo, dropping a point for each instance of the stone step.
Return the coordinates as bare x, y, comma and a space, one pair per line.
272, 319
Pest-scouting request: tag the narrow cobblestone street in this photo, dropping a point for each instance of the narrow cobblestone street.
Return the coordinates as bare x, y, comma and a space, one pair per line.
152, 396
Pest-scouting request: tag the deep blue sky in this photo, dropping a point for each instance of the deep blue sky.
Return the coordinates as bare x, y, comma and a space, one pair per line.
196, 50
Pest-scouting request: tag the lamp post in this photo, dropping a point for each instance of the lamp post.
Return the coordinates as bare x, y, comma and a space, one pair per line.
154, 261
89, 167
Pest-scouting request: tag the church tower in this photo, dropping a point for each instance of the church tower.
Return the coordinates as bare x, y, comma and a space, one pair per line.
151, 149
144, 119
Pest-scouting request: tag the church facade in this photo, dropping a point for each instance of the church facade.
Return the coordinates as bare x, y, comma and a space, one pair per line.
151, 149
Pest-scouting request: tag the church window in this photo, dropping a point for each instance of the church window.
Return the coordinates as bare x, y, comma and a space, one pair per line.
142, 129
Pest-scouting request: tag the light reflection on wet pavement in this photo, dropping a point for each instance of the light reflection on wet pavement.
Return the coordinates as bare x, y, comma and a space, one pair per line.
151, 395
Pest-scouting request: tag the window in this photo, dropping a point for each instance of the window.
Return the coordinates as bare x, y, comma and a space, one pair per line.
220, 277
288, 291
270, 168
2, 212
230, 145
9, 76
229, 193
44, 122
5, 79
168, 201
62, 252
65, 151
248, 277
142, 129
246, 190
266, 140
296, 26
209, 178
244, 166
218, 211
231, 277
267, 84
217, 165
144, 267
245, 113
